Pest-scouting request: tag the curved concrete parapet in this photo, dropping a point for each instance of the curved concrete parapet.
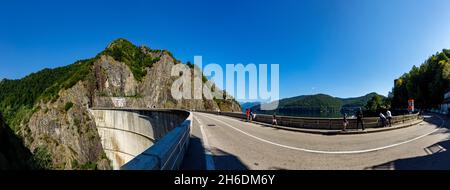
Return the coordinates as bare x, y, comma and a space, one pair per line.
166, 154
320, 123
127, 133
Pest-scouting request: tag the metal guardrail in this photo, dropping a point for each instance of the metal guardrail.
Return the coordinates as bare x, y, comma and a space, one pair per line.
319, 123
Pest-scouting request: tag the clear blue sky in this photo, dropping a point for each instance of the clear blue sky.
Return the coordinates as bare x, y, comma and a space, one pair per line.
343, 48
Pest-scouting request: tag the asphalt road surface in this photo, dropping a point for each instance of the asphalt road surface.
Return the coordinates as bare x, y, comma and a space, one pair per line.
225, 143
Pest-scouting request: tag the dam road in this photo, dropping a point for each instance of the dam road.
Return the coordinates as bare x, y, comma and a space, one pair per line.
224, 143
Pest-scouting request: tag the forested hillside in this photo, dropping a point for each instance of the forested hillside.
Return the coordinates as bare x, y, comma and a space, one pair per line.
426, 84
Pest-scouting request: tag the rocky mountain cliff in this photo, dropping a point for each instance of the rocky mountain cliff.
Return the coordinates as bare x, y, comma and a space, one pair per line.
48, 110
117, 84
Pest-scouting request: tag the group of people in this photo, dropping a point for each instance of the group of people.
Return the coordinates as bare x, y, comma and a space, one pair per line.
359, 120
252, 115
385, 119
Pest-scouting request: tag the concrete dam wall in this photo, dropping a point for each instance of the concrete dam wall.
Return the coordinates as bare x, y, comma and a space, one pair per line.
127, 133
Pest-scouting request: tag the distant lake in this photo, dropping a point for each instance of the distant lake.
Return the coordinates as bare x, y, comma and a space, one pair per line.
319, 114
310, 112
324, 112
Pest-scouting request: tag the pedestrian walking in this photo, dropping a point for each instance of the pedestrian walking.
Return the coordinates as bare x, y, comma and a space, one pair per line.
274, 119
383, 120
345, 122
389, 117
247, 113
359, 119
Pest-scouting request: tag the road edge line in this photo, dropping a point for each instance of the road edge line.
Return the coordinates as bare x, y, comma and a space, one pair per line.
208, 154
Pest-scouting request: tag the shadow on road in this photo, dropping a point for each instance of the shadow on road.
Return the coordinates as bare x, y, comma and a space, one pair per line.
195, 158
437, 158
226, 161
434, 119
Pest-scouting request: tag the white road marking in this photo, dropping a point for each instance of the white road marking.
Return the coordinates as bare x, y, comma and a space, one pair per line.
329, 152
208, 155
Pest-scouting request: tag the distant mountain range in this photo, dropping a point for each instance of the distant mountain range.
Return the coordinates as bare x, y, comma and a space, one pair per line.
319, 105
246, 105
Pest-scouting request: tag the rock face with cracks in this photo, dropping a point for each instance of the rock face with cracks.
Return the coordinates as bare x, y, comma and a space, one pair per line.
60, 133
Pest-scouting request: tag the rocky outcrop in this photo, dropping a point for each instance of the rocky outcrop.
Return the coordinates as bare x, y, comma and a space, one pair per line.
62, 131
118, 87
66, 131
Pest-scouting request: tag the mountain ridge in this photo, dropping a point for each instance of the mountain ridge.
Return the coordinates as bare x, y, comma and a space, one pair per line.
49, 109
317, 105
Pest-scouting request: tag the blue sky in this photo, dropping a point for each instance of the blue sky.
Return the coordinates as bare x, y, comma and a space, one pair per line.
344, 48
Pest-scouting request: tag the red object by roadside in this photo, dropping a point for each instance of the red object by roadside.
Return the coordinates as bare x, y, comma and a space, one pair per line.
411, 105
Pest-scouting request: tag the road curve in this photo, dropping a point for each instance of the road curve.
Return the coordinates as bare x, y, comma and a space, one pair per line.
224, 143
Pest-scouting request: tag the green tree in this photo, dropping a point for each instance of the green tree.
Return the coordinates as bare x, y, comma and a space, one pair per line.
68, 106
425, 84
42, 158
375, 104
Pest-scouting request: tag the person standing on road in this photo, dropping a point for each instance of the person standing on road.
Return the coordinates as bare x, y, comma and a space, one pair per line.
383, 119
274, 119
359, 119
389, 117
345, 122
247, 113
